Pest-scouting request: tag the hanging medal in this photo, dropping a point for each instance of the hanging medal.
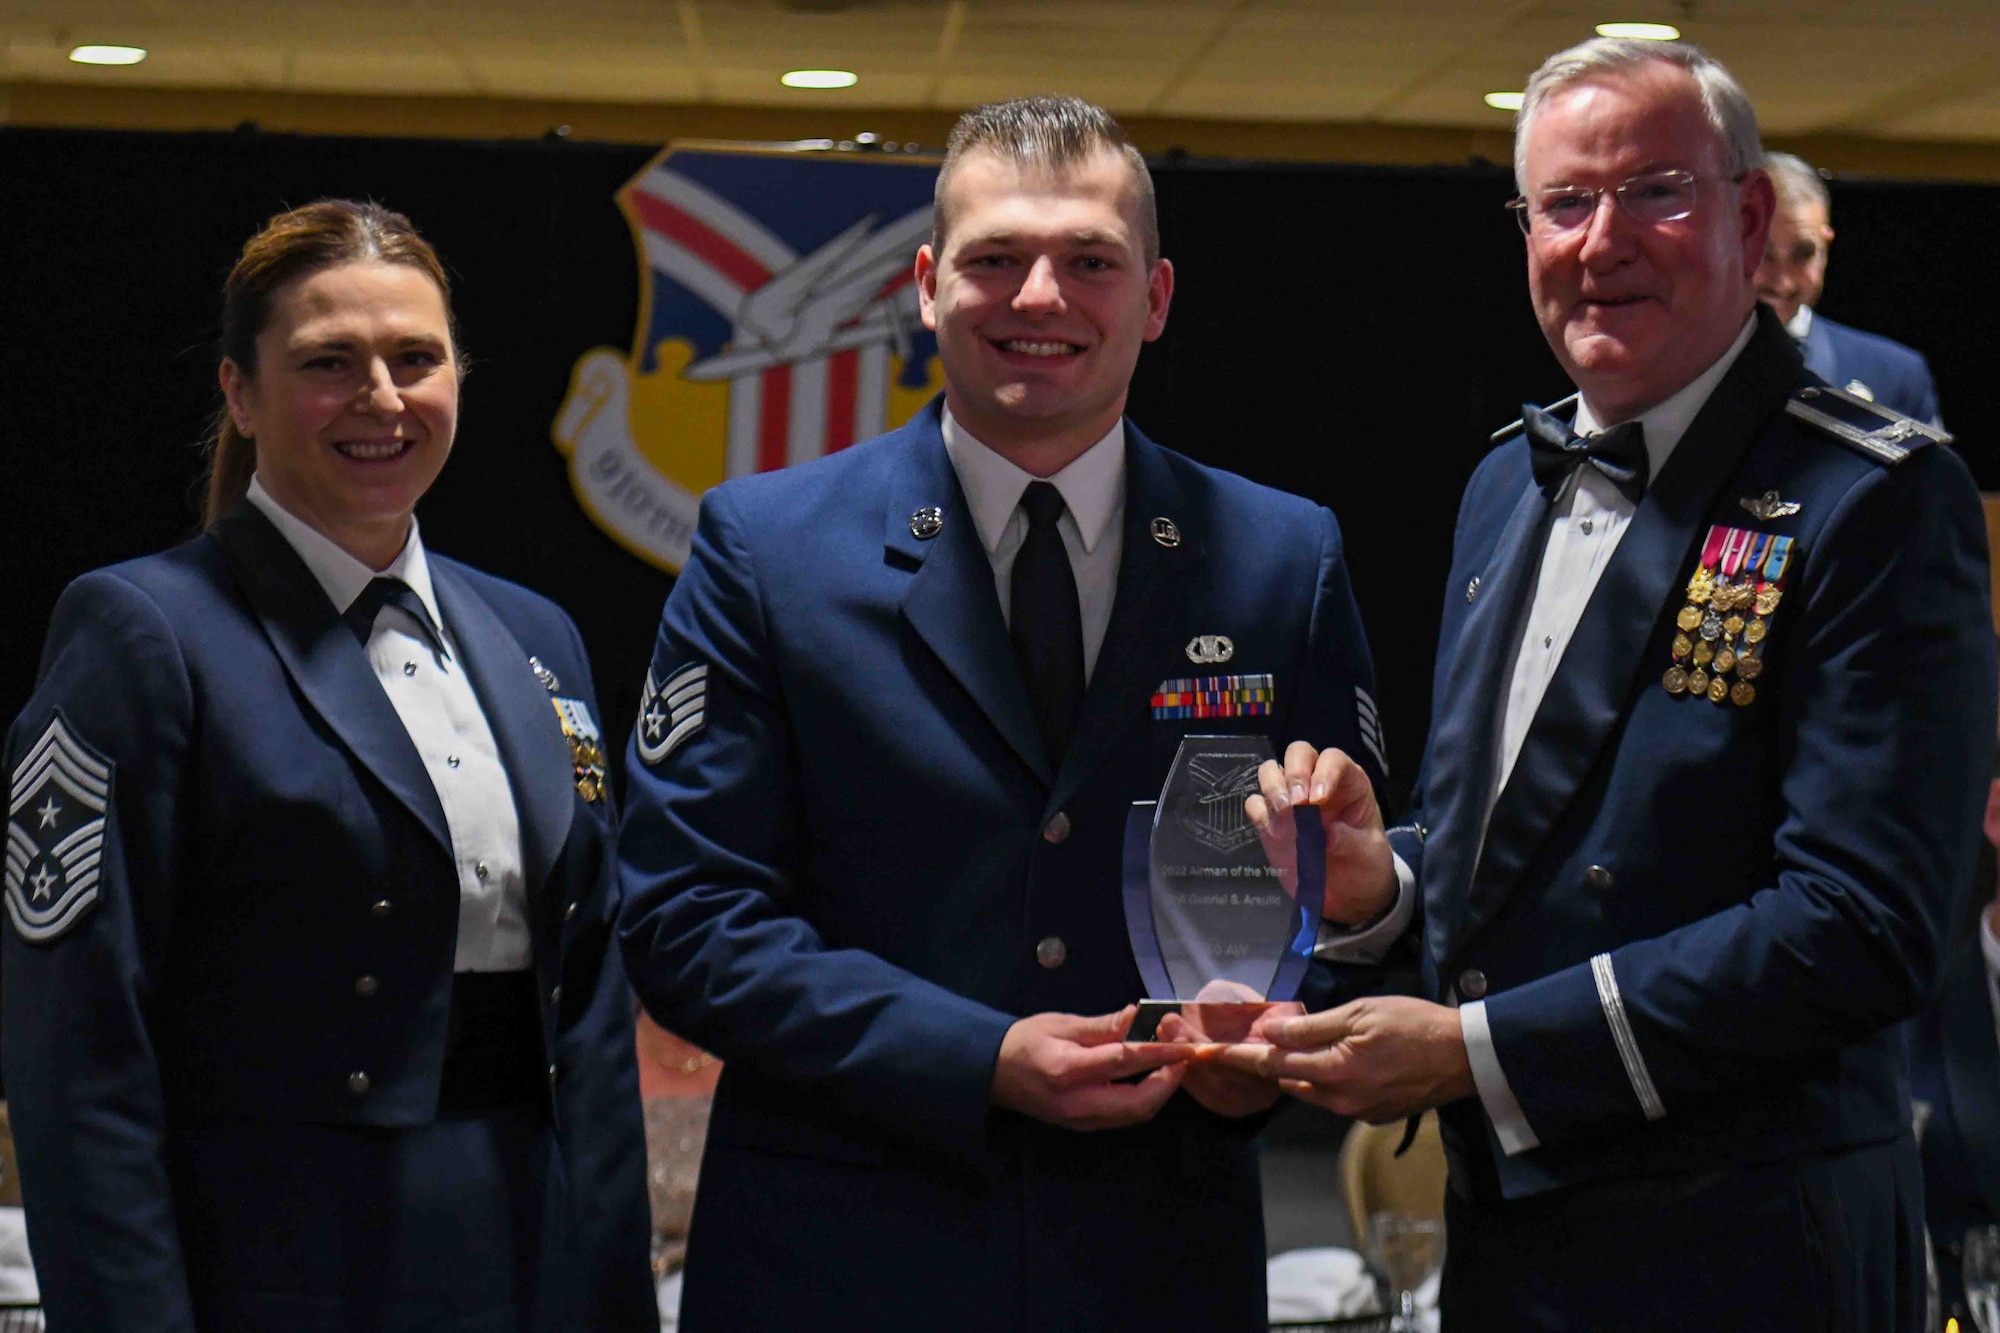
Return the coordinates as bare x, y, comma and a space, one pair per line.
1691, 655
1730, 599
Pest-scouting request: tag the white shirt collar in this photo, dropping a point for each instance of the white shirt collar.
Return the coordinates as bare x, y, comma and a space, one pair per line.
340, 574
1800, 324
1092, 486
1664, 424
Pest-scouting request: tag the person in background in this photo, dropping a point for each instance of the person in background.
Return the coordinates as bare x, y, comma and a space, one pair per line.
900, 703
1714, 695
312, 1015
1955, 1076
1790, 281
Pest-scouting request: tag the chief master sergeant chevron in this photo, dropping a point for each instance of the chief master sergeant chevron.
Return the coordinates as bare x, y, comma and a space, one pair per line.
1715, 698
900, 702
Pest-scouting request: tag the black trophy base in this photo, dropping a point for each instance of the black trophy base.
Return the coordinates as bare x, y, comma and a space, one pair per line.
1218, 1022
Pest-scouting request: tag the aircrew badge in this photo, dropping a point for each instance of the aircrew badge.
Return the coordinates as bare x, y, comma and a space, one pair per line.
59, 799
586, 746
777, 322
1739, 571
1214, 696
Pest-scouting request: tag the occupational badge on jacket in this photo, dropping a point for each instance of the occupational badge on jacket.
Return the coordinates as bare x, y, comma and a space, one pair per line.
586, 746
60, 796
1731, 601
671, 710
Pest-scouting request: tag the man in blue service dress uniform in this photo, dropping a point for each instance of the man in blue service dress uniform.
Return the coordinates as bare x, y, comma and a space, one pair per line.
1715, 699
901, 701
1790, 280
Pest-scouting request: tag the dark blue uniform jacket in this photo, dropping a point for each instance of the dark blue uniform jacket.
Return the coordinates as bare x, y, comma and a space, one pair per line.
264, 802
1895, 376
1695, 924
845, 844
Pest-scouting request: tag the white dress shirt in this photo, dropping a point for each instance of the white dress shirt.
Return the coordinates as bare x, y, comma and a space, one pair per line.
1092, 524
442, 715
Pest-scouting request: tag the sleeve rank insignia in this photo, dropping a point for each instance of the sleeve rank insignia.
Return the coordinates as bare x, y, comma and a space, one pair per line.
1739, 571
670, 713
586, 746
61, 794
1881, 433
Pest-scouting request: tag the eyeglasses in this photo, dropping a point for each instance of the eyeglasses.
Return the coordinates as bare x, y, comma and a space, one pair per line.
1664, 196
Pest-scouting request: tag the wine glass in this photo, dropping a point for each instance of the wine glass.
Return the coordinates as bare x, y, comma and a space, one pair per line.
1407, 1250
1981, 1270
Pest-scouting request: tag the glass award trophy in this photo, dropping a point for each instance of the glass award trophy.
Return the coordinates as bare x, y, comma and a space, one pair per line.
1221, 915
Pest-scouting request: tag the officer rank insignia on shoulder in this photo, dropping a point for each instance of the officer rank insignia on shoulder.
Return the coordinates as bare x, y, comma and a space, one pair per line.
1882, 433
61, 793
1740, 571
671, 710
1214, 696
586, 746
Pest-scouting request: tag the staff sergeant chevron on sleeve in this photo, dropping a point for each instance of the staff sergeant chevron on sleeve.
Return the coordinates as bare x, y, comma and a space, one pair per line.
60, 794
670, 713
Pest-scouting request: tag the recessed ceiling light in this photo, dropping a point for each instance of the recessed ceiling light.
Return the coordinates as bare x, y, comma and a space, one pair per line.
108, 55
1645, 32
819, 78
1504, 101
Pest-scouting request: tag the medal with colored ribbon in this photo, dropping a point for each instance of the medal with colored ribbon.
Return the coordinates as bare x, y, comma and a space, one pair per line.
1739, 571
1692, 654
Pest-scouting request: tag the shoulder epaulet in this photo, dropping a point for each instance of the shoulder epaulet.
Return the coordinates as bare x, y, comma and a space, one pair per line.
1882, 433
1514, 427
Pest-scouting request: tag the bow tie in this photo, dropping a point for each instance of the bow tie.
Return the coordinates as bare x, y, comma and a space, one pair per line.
1556, 452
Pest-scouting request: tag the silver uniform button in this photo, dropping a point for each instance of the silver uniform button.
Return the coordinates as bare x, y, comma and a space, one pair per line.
480, 870
365, 986
357, 1082
1472, 588
555, 996
552, 1073
569, 911
1472, 983
409, 668
381, 907
452, 760
1598, 879
1052, 952
1056, 829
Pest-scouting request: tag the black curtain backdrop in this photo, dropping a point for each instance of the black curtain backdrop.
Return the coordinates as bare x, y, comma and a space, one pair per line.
1349, 333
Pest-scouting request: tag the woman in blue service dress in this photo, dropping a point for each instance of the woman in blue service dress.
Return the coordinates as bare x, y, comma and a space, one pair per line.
312, 1018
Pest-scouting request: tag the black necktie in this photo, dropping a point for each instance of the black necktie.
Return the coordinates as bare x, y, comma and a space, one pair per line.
1556, 451
381, 592
1045, 625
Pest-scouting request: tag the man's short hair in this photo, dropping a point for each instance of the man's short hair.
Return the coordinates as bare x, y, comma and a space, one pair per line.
1730, 114
1797, 182
1053, 134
